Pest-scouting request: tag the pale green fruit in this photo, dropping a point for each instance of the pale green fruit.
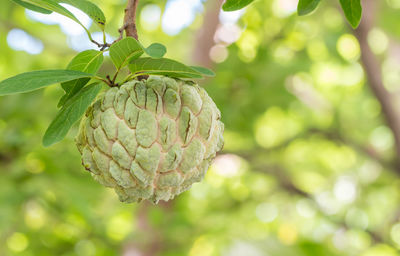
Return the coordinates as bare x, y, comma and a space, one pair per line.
150, 139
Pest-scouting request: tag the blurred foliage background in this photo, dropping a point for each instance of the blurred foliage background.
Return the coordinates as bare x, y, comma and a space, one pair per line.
311, 160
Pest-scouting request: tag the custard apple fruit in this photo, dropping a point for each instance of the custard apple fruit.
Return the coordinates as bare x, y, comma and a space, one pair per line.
150, 139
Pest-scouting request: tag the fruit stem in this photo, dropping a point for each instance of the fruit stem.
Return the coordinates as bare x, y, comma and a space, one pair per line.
106, 81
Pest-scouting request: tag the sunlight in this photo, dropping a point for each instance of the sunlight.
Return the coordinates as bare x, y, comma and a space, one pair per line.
150, 17
179, 14
68, 26
19, 40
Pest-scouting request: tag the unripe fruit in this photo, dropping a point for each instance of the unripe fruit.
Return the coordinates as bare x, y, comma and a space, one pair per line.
150, 139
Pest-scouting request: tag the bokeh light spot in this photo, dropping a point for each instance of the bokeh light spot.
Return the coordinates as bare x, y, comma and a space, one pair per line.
119, 226
230, 17
378, 41
382, 138
227, 165
248, 45
35, 216
218, 53
17, 242
345, 190
348, 47
19, 40
150, 17
284, 8
34, 164
67, 25
395, 233
179, 14
228, 33
317, 50
266, 212
287, 234
274, 127
202, 247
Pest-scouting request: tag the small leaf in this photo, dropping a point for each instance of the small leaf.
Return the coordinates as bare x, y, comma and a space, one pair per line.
70, 113
234, 5
163, 66
32, 7
125, 50
92, 10
352, 10
203, 70
156, 50
306, 6
87, 61
31, 81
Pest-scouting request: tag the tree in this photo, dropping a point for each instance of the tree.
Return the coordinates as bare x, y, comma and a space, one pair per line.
305, 143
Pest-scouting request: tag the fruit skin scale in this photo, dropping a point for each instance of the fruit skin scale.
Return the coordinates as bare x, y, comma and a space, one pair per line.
150, 139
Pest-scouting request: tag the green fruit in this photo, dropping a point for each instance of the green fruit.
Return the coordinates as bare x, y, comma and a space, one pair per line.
150, 139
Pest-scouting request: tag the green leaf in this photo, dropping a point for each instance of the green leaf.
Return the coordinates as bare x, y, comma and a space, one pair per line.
32, 7
352, 10
92, 10
87, 61
306, 6
31, 81
203, 70
70, 113
156, 50
163, 66
234, 5
125, 50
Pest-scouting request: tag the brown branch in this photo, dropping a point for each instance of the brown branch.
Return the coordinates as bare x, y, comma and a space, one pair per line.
374, 74
205, 37
148, 240
130, 19
130, 26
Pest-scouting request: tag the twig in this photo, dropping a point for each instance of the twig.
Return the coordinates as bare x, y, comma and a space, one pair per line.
101, 46
130, 24
121, 34
106, 81
130, 19
106, 45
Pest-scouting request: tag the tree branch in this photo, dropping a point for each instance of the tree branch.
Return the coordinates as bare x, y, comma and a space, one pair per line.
205, 36
130, 19
374, 74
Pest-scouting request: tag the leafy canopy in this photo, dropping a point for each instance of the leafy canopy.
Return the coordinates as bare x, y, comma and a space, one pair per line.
351, 8
126, 52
